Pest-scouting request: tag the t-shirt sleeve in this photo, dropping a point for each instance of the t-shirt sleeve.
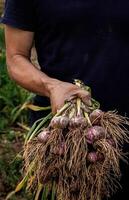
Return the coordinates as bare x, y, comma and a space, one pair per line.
19, 14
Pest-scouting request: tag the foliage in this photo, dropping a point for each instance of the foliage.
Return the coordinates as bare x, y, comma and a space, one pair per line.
12, 98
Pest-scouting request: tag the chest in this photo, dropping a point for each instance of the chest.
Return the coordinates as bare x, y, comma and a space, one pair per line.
82, 11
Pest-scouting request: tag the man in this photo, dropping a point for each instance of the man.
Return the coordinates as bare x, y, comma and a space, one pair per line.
87, 40
19, 35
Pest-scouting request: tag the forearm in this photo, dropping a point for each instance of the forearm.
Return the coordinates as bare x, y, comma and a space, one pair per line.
28, 76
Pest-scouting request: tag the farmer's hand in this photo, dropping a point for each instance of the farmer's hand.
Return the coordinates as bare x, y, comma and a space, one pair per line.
61, 91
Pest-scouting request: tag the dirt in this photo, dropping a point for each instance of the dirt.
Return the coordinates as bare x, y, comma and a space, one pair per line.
10, 168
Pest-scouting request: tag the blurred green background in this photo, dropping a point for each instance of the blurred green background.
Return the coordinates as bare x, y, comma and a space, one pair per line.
13, 128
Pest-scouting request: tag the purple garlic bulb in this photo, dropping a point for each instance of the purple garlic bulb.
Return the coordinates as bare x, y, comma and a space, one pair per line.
64, 122
76, 122
95, 133
59, 122
94, 156
95, 116
43, 136
111, 142
60, 149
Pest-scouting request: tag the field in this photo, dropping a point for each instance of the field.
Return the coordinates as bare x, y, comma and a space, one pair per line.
13, 128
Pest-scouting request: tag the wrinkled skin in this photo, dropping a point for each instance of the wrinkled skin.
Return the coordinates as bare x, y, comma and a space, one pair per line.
63, 91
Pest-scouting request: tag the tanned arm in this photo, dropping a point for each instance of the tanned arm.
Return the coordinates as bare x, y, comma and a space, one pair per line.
20, 68
18, 49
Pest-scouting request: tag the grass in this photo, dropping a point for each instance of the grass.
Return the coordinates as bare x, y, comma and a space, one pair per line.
12, 98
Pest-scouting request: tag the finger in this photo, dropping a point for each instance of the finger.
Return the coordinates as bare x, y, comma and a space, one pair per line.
82, 94
56, 108
70, 97
53, 107
85, 96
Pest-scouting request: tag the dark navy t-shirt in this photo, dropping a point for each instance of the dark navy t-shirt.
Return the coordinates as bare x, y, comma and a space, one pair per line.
84, 39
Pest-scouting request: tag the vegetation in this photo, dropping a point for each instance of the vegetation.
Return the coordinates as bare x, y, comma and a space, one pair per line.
13, 126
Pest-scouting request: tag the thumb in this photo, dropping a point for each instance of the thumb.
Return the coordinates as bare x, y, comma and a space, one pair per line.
85, 96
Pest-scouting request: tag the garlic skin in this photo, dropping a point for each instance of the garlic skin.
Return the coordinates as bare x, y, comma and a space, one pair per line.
94, 157
43, 136
60, 149
95, 133
59, 122
77, 122
111, 142
95, 116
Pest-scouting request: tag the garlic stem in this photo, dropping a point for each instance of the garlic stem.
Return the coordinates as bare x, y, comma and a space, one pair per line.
72, 112
78, 83
65, 107
88, 119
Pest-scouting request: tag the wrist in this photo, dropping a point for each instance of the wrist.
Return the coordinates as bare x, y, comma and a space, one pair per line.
49, 84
